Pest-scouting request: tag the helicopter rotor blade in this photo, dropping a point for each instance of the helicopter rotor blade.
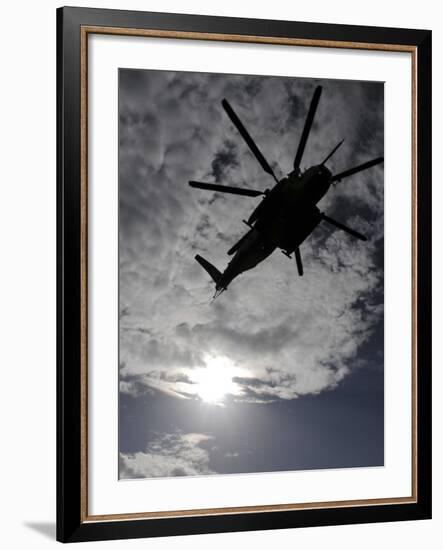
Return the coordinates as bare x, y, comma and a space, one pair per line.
333, 151
339, 225
226, 189
250, 142
307, 128
298, 261
356, 169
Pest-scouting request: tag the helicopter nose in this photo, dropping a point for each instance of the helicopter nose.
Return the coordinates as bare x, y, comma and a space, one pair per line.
324, 172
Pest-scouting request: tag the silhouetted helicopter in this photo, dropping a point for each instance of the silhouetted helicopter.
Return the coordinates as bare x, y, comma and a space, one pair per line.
287, 214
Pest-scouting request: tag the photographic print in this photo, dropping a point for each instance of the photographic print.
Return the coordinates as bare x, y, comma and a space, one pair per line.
251, 274
243, 284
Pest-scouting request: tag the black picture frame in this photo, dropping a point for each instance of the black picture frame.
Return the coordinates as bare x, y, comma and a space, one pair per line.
72, 524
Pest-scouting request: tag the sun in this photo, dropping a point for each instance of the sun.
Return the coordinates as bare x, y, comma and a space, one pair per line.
215, 381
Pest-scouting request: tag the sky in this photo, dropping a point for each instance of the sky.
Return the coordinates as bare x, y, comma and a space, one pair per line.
280, 372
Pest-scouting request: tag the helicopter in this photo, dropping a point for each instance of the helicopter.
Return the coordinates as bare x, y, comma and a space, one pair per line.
288, 212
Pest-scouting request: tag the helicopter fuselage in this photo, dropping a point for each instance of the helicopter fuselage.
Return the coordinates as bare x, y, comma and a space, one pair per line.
286, 216
288, 212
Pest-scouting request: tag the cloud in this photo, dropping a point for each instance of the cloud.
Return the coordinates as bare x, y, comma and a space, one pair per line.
288, 335
169, 455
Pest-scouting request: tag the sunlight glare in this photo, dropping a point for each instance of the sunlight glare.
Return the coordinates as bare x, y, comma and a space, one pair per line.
215, 381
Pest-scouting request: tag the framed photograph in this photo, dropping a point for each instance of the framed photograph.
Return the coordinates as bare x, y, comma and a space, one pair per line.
244, 274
